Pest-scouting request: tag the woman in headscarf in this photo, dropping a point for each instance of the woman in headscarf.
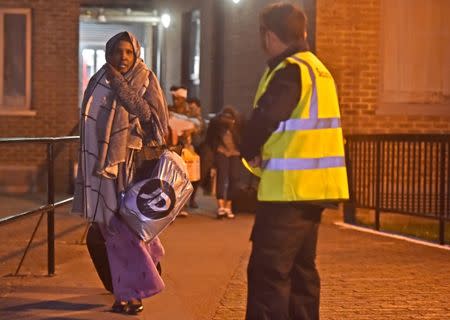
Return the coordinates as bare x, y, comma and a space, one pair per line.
123, 112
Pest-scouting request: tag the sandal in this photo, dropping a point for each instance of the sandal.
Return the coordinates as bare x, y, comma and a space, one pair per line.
221, 213
119, 306
133, 308
229, 214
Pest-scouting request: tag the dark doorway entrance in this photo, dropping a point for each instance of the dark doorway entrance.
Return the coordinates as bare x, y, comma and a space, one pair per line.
190, 64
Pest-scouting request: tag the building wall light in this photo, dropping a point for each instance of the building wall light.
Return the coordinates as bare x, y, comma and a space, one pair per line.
236, 1
165, 20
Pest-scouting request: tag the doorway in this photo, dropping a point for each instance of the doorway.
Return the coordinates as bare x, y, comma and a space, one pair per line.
98, 25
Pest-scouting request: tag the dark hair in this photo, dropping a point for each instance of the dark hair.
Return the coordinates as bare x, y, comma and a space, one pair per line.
231, 111
175, 88
194, 100
286, 20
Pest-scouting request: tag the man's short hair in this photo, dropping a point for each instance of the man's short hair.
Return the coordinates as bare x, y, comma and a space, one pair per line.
194, 100
286, 20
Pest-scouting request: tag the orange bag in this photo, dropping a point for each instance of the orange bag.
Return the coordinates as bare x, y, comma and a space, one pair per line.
192, 161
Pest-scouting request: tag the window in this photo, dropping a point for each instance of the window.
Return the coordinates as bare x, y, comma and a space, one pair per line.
15, 60
92, 60
415, 56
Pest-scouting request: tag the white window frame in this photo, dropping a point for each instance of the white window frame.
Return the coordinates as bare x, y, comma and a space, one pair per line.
25, 109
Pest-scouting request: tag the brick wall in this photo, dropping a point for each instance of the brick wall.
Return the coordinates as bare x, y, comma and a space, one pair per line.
54, 81
348, 42
54, 70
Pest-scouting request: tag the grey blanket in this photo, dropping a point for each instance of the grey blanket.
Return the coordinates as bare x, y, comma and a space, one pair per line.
111, 131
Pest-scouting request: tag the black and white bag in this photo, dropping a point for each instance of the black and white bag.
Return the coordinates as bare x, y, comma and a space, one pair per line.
150, 205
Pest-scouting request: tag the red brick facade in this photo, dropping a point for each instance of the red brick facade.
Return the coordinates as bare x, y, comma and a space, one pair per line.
348, 42
54, 70
54, 83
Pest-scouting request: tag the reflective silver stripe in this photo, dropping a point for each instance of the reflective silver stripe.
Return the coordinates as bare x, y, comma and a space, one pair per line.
304, 163
313, 108
308, 124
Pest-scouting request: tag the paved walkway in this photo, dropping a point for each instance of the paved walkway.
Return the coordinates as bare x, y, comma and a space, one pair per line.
364, 276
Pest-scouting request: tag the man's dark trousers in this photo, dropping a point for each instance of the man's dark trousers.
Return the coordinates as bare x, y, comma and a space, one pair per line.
283, 281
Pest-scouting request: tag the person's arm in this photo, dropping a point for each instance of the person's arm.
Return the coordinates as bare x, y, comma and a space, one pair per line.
276, 105
131, 100
211, 134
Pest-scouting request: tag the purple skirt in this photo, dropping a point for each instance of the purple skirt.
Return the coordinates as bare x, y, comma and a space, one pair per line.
132, 262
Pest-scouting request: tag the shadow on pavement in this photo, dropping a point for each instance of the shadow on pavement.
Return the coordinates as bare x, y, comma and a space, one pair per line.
52, 305
19, 252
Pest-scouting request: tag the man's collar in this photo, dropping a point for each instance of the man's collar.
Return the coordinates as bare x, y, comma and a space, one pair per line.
291, 50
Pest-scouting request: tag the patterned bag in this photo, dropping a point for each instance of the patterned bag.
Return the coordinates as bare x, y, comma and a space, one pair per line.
150, 205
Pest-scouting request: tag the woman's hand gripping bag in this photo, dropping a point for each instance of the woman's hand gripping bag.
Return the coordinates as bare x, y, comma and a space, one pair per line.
150, 205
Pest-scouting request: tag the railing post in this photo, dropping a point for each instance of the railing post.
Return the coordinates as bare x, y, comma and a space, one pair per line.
442, 194
378, 185
50, 213
349, 206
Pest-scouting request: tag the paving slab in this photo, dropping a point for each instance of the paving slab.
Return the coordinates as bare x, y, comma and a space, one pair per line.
366, 276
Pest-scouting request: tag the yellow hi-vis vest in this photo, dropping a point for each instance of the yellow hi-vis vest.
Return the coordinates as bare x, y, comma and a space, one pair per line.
303, 160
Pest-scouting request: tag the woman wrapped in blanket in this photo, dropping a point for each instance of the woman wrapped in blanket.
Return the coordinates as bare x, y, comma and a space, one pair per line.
123, 112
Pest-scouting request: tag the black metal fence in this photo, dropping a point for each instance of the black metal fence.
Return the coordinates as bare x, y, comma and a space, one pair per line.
51, 205
406, 174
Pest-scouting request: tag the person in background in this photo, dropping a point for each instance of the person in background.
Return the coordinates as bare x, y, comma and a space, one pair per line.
195, 111
182, 123
178, 123
123, 110
179, 96
196, 140
185, 124
293, 141
223, 137
195, 107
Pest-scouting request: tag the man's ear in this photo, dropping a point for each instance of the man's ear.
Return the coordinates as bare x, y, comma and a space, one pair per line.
269, 40
271, 36
274, 39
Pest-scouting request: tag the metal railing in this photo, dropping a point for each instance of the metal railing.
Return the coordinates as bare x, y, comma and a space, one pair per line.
406, 174
51, 205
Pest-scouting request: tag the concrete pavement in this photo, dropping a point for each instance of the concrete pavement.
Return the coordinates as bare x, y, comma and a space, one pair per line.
201, 255
364, 276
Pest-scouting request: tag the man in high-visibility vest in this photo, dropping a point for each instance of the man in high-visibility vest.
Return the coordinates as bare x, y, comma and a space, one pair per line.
293, 141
